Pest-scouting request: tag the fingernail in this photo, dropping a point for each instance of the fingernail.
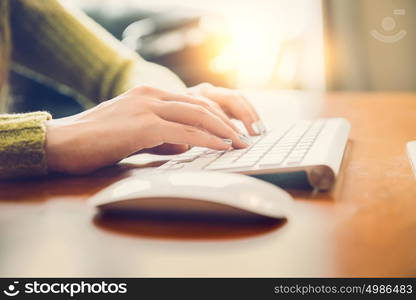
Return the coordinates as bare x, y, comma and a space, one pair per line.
262, 128
258, 127
229, 142
255, 128
245, 139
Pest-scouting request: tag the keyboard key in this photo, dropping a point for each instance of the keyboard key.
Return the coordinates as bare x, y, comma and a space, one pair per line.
185, 158
271, 160
236, 165
293, 163
267, 165
296, 153
177, 166
201, 162
250, 161
280, 149
171, 165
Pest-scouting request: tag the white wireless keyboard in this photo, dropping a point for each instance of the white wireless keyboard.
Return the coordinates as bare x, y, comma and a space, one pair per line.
313, 146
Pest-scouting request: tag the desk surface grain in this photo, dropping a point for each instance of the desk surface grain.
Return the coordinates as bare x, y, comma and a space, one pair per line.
366, 226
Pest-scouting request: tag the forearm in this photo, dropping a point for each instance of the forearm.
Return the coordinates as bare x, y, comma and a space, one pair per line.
22, 144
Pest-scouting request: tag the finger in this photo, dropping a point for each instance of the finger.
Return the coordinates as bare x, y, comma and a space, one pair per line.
251, 107
227, 120
176, 133
164, 149
204, 102
215, 108
236, 106
257, 126
197, 116
240, 111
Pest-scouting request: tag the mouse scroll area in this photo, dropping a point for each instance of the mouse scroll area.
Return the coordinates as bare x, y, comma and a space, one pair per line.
178, 209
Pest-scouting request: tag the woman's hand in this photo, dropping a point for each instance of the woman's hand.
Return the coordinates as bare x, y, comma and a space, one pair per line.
227, 103
233, 104
142, 118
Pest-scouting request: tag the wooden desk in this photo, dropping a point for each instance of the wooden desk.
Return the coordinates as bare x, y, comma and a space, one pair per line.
365, 227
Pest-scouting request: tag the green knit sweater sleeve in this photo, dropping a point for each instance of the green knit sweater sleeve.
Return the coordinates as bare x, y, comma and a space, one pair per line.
22, 144
65, 46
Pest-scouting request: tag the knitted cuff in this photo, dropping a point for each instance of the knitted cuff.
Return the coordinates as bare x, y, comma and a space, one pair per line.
22, 144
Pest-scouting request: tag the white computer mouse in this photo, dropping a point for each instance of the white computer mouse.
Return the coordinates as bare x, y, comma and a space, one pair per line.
194, 192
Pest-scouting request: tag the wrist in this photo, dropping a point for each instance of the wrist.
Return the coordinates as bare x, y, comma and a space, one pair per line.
58, 137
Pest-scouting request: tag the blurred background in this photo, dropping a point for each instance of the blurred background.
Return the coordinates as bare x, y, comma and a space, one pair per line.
355, 45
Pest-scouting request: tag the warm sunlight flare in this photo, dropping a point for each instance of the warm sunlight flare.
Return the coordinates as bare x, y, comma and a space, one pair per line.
252, 44
249, 53
254, 51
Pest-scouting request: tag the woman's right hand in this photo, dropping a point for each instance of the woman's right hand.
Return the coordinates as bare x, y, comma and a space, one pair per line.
142, 118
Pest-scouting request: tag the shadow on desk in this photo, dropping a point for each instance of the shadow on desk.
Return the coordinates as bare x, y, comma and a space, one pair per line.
187, 227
